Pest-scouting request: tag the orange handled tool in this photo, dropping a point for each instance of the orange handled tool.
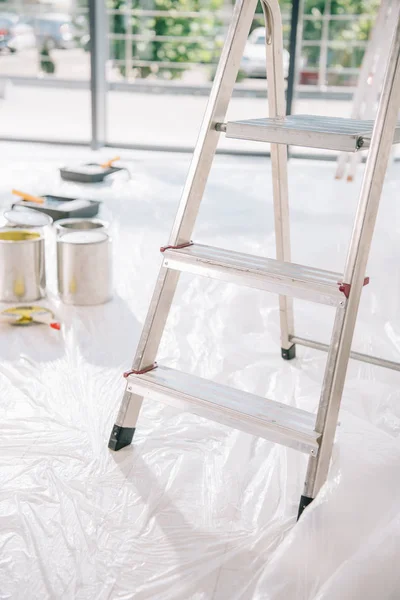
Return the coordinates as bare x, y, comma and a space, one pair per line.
109, 163
28, 197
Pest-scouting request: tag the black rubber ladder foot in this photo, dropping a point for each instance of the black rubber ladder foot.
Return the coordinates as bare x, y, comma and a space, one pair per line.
289, 353
120, 437
304, 502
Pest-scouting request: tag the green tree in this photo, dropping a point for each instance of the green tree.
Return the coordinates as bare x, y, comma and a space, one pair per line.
205, 33
117, 26
199, 47
199, 28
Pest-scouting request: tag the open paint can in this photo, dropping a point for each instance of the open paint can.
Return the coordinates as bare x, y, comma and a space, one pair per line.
84, 267
67, 225
22, 265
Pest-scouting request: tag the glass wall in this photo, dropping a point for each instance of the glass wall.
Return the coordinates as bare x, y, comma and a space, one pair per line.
45, 70
160, 63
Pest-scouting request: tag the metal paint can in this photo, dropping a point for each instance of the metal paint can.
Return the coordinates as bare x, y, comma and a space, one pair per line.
84, 267
22, 265
67, 225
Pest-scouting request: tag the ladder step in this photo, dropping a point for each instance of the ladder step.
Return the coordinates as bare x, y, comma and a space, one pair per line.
267, 274
274, 421
311, 131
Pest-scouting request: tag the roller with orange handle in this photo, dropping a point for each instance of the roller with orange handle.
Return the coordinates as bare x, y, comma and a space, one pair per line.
28, 197
109, 163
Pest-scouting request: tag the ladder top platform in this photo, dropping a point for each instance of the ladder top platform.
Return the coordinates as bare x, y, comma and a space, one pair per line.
328, 133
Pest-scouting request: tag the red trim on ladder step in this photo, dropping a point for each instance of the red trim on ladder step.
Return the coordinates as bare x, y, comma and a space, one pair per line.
345, 287
140, 371
178, 247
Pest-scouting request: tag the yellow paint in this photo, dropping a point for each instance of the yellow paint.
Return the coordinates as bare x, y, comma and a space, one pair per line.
18, 235
19, 287
72, 286
25, 315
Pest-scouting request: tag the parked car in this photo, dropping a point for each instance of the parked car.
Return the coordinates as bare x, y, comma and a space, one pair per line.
15, 34
55, 31
253, 59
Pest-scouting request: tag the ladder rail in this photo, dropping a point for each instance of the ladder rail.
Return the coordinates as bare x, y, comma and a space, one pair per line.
280, 191
197, 178
357, 258
359, 356
217, 106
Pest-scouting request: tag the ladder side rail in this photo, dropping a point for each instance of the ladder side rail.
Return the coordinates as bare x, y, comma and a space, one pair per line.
277, 108
356, 263
197, 177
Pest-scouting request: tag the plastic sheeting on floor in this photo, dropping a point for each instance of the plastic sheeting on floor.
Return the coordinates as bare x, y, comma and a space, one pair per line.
194, 510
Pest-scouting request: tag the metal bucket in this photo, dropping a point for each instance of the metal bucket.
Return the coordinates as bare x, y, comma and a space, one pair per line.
22, 265
67, 225
84, 267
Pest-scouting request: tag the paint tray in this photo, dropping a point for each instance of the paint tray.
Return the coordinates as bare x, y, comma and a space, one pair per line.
57, 207
88, 173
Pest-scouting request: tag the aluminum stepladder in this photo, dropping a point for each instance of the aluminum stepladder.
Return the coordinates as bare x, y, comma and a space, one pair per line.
370, 79
290, 426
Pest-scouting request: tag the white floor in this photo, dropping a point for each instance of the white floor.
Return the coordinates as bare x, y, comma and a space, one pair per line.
193, 510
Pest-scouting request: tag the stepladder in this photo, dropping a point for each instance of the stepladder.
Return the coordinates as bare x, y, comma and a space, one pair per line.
306, 432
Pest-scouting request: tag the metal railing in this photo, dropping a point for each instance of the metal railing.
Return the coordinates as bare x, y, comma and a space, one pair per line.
331, 50
319, 65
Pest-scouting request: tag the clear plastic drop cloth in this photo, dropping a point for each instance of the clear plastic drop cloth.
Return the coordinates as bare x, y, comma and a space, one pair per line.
193, 510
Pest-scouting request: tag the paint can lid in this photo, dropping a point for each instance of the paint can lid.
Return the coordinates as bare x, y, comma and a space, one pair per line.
27, 217
84, 237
